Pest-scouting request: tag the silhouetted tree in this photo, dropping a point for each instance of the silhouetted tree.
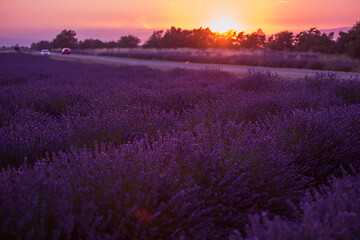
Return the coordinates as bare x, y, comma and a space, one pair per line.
240, 37
111, 44
201, 38
313, 40
129, 41
65, 39
255, 40
349, 43
226, 40
175, 38
41, 45
154, 41
16, 48
281, 41
90, 43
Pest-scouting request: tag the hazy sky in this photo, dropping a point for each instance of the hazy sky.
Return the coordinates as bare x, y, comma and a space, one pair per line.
26, 18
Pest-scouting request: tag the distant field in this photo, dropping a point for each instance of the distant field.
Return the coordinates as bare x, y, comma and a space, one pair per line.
91, 151
276, 59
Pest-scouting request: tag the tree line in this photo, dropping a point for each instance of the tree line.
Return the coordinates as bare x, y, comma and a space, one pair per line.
67, 38
311, 40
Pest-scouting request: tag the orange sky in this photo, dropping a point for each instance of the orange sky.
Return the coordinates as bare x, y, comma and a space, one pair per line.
18, 16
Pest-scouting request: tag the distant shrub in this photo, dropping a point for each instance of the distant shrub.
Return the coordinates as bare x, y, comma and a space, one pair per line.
252, 62
254, 81
288, 64
344, 66
240, 60
300, 64
318, 65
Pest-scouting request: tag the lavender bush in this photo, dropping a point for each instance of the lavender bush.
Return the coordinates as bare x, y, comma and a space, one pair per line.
330, 212
99, 152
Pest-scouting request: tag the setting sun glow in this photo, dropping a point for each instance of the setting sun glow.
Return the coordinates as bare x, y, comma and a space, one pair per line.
107, 20
222, 25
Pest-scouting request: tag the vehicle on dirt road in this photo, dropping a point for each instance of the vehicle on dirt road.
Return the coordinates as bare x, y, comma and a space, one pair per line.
65, 51
45, 52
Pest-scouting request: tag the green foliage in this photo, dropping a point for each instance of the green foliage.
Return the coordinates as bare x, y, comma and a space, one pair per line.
255, 40
349, 43
130, 41
281, 41
155, 40
41, 45
313, 40
65, 39
91, 43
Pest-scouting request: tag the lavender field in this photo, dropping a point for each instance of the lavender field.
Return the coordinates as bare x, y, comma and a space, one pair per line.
91, 151
277, 59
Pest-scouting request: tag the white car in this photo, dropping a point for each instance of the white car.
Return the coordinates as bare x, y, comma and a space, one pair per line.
45, 52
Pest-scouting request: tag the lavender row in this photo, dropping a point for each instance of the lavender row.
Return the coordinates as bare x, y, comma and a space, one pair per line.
236, 57
77, 105
199, 184
331, 212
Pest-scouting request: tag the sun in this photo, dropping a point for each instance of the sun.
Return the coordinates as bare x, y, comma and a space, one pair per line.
223, 25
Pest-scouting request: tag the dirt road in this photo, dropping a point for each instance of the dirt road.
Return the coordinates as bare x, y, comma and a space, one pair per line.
288, 72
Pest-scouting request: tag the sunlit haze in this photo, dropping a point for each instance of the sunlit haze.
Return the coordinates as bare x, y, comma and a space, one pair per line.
110, 19
224, 24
